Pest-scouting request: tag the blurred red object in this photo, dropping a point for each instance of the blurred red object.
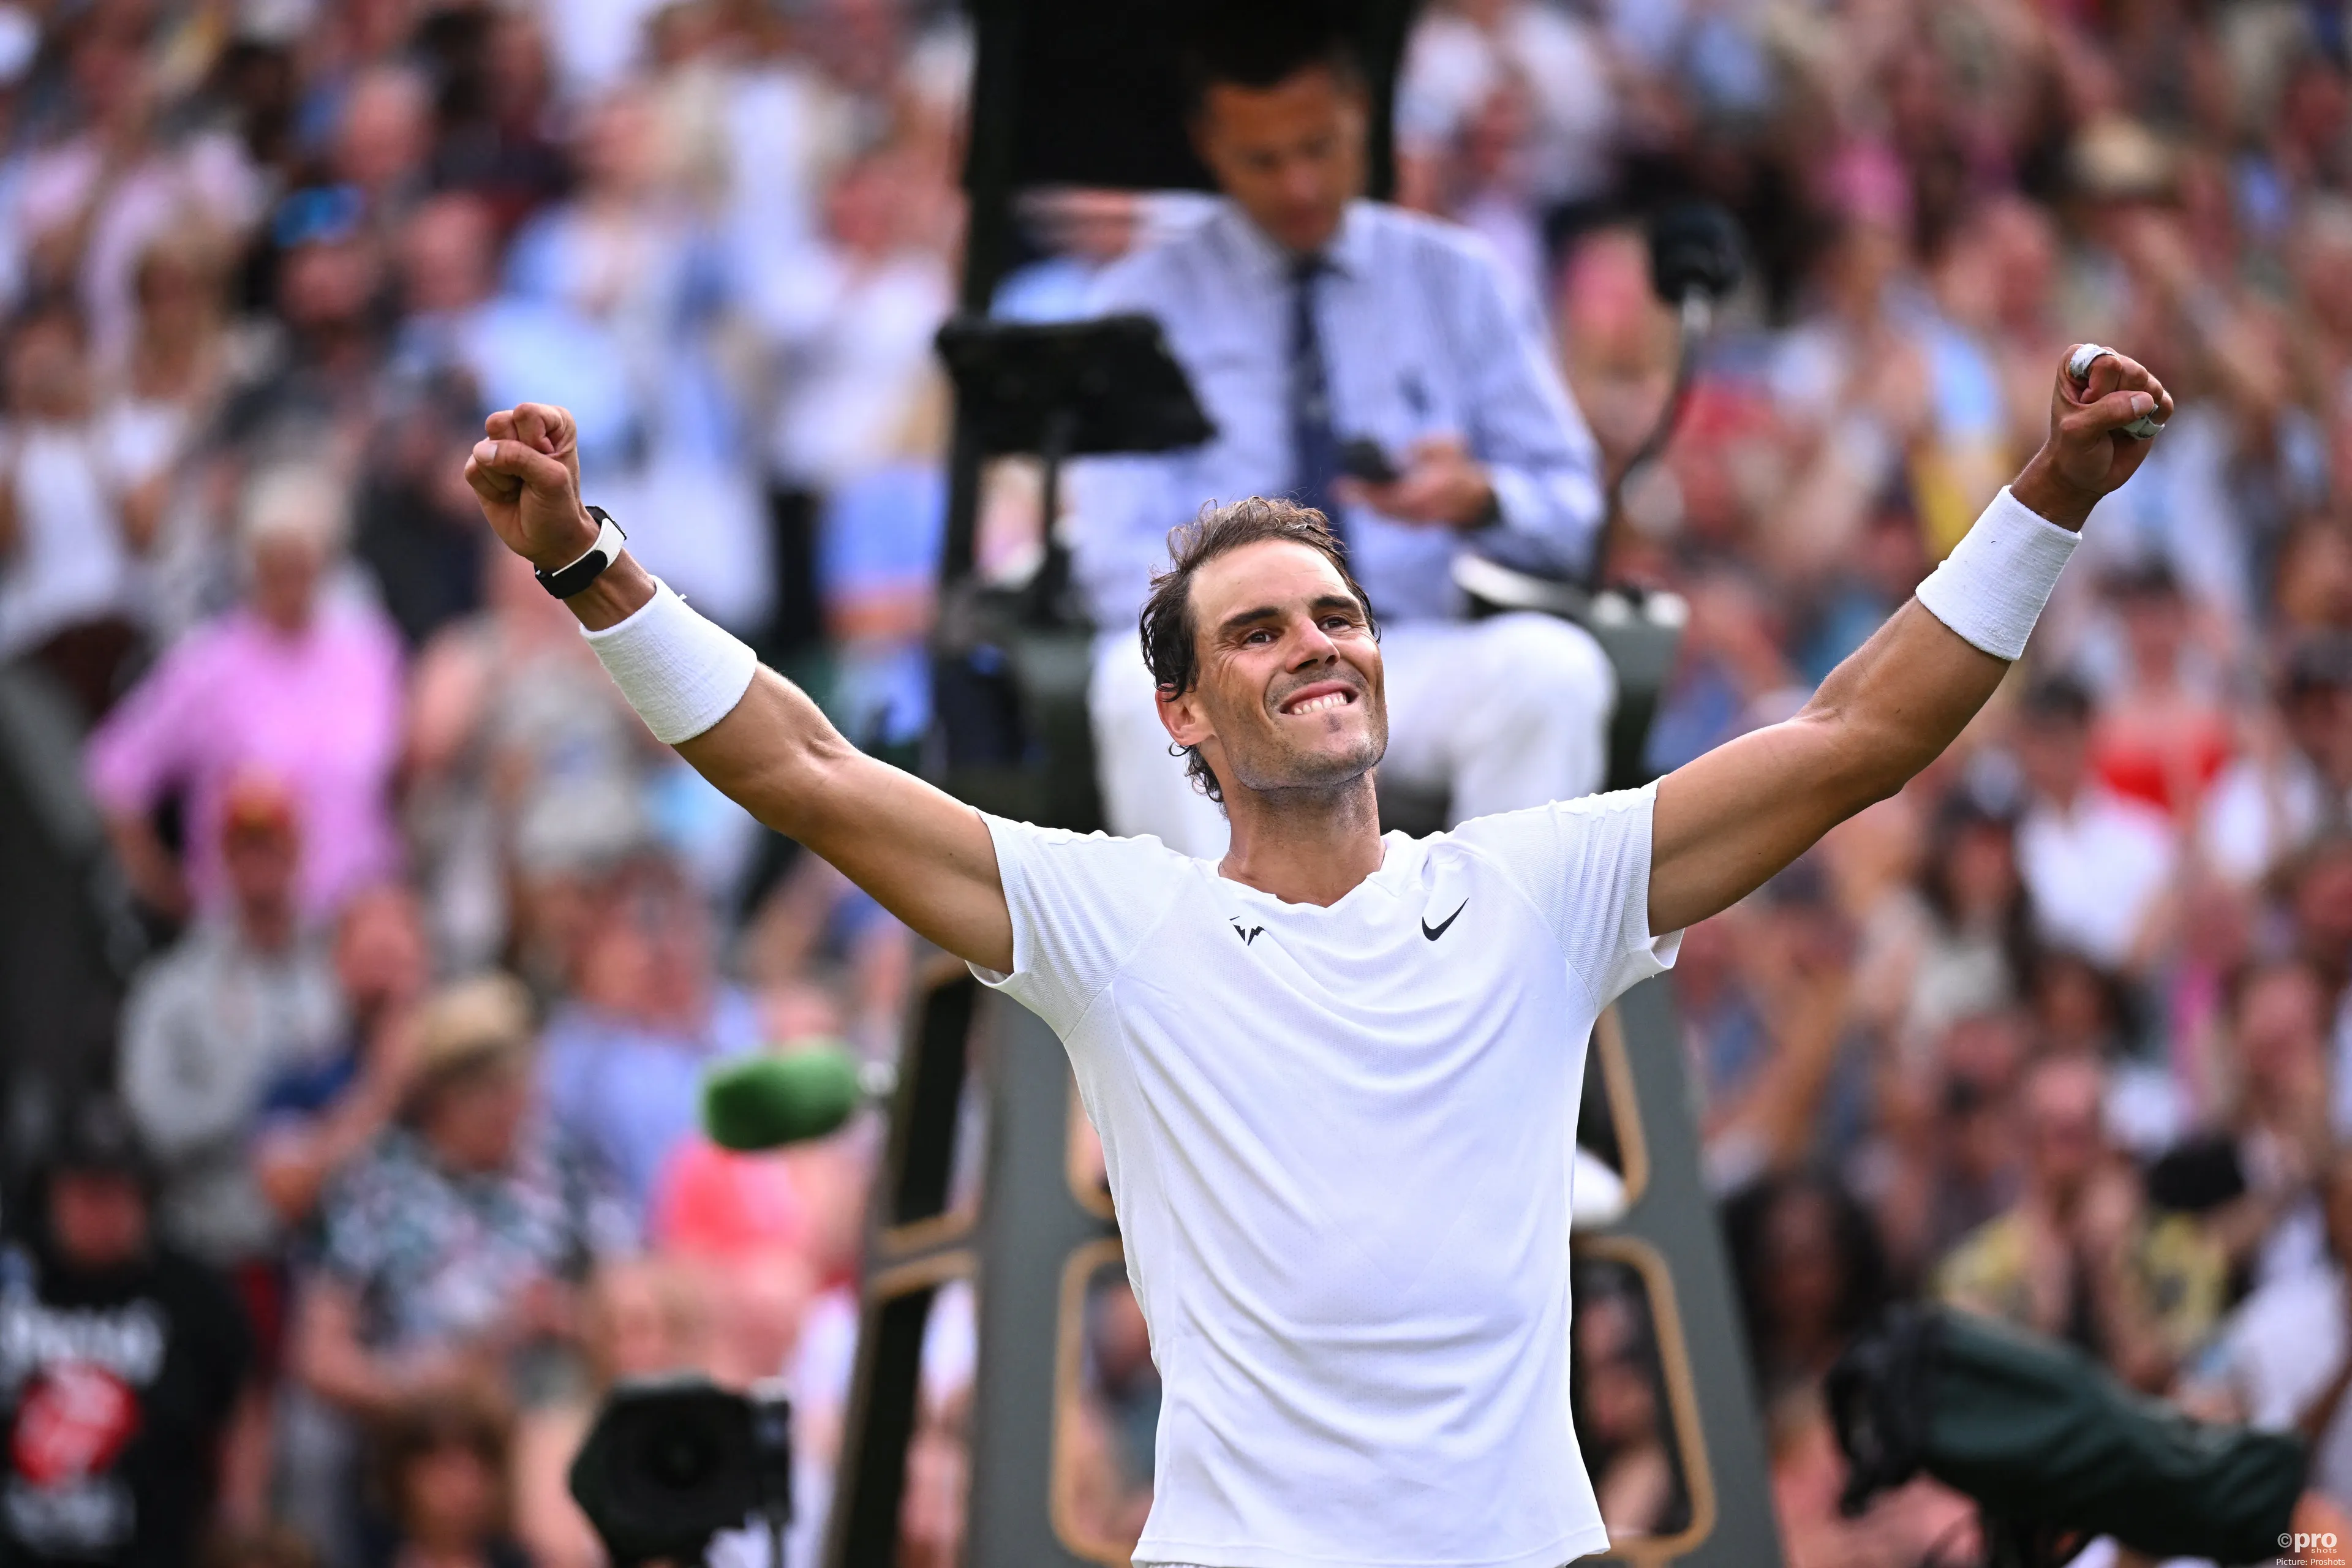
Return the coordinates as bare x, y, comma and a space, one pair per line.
712, 1203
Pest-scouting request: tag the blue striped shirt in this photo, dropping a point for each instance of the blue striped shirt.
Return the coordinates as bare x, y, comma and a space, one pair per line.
1421, 335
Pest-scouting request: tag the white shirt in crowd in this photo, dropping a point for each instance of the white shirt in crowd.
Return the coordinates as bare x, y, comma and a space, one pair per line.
1453, 66
2278, 1353
2257, 814
1339, 1139
857, 345
70, 565
2095, 871
205, 176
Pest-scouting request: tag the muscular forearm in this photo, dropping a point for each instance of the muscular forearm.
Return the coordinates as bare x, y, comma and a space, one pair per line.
1729, 821
778, 756
924, 857
1909, 691
1893, 706
1733, 817
772, 752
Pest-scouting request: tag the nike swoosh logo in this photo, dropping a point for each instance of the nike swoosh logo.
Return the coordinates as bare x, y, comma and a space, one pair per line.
1433, 935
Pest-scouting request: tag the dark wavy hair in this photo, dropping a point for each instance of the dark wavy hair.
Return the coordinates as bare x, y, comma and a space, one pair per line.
1172, 640
1260, 44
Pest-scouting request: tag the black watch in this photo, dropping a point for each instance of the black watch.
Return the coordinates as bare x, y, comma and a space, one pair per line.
566, 581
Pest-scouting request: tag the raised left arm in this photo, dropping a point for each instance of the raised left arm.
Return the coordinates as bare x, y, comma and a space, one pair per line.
1728, 820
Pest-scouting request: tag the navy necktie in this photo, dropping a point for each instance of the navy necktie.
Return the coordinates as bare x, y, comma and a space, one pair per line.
1314, 449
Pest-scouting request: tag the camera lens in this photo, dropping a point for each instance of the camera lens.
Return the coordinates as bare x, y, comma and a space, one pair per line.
679, 1457
669, 1462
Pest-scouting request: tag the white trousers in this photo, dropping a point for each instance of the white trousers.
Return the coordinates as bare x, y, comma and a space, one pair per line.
1506, 712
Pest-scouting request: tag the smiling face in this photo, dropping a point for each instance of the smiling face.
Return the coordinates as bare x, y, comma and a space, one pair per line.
1288, 694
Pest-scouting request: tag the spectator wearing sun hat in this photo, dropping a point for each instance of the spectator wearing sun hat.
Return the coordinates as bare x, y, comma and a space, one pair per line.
455, 1241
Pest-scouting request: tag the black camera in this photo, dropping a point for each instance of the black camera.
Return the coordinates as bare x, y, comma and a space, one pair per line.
672, 1461
2053, 1450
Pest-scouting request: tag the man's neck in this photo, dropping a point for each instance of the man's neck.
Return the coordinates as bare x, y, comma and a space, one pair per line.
1304, 845
267, 926
1283, 248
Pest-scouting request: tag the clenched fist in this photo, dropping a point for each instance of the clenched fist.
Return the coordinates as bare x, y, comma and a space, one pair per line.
2089, 453
527, 476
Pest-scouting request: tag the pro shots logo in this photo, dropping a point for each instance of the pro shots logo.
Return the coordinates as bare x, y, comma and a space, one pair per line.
2313, 1548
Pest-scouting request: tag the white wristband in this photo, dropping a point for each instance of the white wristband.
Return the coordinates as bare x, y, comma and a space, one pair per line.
680, 672
1992, 587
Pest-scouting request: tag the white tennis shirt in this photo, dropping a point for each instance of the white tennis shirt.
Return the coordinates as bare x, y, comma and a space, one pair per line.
1338, 1141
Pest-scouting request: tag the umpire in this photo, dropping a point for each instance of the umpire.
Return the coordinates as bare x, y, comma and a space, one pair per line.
1318, 327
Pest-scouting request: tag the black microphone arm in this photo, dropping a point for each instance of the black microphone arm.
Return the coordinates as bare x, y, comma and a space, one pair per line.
1695, 249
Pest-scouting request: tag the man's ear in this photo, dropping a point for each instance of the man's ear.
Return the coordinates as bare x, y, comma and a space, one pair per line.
1186, 725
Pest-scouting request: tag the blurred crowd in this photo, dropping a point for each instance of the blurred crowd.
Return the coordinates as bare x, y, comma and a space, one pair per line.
388, 1163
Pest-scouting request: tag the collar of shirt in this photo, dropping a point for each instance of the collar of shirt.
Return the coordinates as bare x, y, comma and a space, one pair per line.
1268, 264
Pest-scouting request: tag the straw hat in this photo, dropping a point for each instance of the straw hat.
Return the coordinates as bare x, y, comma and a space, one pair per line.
2117, 158
472, 1024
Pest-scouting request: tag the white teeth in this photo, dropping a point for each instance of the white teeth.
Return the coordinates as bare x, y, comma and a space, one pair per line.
1318, 704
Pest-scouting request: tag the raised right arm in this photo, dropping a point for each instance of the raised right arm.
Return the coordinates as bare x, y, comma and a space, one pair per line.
1729, 820
924, 855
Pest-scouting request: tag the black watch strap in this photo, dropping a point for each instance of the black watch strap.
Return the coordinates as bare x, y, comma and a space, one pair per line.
566, 581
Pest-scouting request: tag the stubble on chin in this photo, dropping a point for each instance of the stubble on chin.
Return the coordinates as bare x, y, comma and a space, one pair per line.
1281, 765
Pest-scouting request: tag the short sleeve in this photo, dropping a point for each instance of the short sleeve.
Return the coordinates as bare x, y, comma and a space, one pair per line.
1081, 905
1585, 866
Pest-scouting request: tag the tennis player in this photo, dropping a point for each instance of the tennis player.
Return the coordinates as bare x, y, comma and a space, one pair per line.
1336, 1074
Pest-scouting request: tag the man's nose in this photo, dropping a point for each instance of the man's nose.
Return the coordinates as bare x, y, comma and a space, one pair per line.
1311, 646
1302, 181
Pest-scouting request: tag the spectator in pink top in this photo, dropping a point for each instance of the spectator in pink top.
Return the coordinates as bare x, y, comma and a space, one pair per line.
300, 684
